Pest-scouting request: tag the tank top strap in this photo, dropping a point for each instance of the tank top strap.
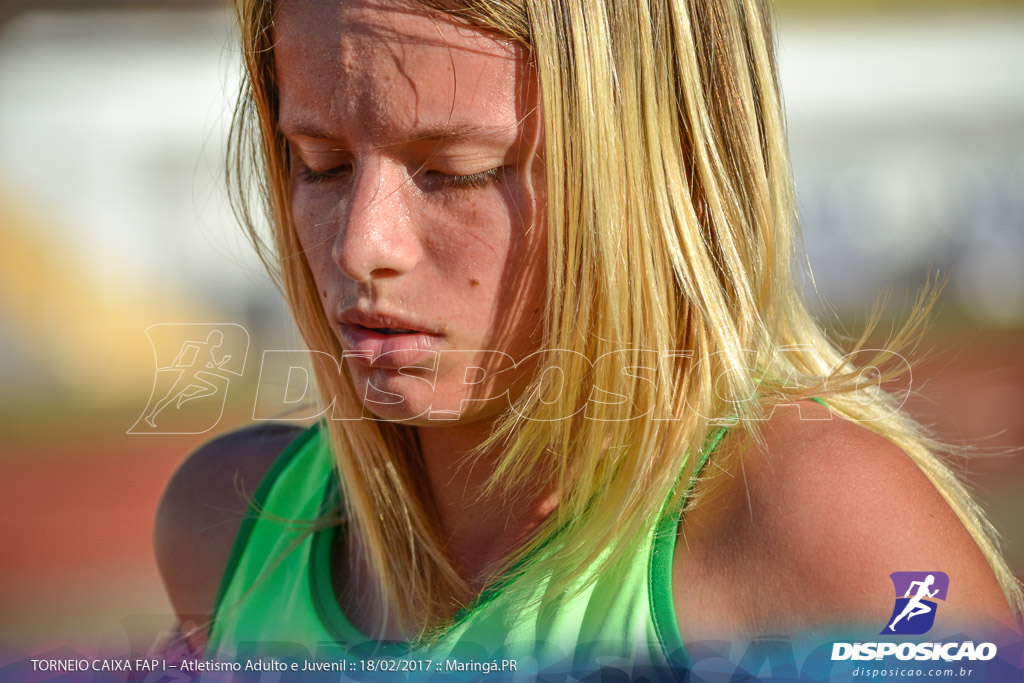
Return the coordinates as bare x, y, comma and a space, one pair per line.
714, 438
662, 602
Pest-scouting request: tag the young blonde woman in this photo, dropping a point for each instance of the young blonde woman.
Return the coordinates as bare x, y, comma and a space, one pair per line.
543, 250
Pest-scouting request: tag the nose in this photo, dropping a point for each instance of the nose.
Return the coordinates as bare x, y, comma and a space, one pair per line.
376, 237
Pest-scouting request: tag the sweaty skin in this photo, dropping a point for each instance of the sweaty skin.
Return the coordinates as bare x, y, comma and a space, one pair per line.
416, 198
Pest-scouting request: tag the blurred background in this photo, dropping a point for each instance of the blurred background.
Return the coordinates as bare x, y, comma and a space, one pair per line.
907, 132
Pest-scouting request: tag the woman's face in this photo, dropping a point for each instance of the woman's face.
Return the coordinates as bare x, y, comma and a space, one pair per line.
417, 197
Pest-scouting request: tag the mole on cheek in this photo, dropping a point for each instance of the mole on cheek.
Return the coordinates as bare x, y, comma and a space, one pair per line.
473, 282
324, 293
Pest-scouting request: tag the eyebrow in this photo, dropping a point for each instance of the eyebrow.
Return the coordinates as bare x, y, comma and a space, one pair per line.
464, 131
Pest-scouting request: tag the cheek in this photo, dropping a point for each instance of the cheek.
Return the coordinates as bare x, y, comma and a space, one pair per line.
322, 268
316, 231
470, 248
311, 216
485, 242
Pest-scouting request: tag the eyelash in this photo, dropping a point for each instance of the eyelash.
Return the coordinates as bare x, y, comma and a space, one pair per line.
312, 176
460, 182
473, 180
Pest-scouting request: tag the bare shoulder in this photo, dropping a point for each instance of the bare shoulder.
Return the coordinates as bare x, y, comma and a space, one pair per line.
804, 529
202, 509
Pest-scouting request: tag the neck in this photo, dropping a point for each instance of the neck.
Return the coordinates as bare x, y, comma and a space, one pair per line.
481, 531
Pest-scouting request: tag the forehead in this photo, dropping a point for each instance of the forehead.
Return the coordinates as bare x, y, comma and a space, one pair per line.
382, 69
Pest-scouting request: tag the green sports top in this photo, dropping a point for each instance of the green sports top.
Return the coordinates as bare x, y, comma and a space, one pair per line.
277, 600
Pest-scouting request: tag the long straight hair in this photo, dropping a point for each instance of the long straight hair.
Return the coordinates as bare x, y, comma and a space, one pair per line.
672, 245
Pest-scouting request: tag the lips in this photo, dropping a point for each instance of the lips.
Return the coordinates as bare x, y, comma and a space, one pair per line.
383, 340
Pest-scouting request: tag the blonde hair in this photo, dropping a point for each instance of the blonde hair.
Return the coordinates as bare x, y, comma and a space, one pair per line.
671, 226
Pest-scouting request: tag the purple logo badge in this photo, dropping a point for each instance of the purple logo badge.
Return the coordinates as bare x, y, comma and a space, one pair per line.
916, 596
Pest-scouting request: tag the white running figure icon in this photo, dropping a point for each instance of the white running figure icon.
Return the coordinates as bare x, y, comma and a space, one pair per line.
192, 372
916, 606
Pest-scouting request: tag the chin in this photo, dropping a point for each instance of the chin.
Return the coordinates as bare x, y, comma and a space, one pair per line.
421, 412
419, 399
390, 403
404, 413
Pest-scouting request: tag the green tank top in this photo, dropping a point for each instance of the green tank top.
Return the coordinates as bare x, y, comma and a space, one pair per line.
276, 600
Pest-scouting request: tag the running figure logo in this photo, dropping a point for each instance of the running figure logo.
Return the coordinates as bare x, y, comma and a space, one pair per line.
198, 374
914, 612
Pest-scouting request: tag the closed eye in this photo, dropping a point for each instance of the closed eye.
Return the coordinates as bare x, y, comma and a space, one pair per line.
313, 176
468, 181
446, 180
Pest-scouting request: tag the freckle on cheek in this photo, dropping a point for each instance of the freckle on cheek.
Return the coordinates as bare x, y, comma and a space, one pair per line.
474, 282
